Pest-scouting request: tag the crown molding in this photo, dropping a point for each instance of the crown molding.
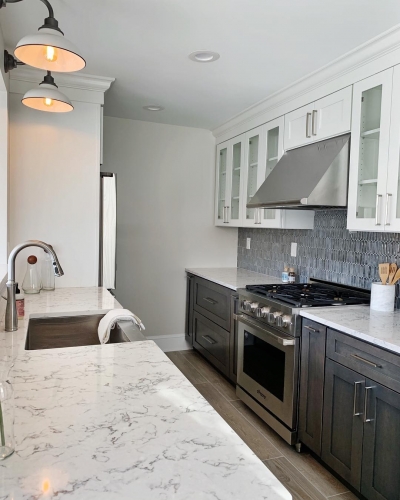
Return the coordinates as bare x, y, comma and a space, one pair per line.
366, 54
80, 81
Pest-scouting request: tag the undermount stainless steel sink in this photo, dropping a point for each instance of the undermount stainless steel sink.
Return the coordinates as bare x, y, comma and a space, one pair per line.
52, 332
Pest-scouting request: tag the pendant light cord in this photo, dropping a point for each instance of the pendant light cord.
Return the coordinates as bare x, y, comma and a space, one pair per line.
47, 4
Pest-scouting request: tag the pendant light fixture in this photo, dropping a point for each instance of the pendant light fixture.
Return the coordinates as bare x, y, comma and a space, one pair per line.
47, 97
48, 49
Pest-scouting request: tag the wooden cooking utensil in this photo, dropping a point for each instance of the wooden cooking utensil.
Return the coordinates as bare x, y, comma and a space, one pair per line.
383, 272
396, 277
392, 272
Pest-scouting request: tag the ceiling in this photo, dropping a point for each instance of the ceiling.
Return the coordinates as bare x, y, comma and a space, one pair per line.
264, 46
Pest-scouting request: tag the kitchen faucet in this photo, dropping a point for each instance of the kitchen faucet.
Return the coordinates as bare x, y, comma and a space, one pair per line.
11, 310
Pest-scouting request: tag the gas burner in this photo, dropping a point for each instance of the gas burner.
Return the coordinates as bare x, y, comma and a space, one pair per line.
312, 294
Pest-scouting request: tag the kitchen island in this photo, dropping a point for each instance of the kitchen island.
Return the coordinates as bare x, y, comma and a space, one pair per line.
117, 421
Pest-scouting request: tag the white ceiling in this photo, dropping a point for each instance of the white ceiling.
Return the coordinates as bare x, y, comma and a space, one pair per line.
264, 46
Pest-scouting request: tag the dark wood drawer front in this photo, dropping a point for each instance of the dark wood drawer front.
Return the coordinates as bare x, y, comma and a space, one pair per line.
213, 301
372, 362
309, 326
212, 341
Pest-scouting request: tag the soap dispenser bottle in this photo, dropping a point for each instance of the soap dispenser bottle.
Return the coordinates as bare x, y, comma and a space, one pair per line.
32, 282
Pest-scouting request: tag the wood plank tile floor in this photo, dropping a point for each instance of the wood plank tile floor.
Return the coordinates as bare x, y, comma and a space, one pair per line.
302, 475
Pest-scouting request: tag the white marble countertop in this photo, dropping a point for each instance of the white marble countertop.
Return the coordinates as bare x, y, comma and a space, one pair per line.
233, 277
379, 328
118, 421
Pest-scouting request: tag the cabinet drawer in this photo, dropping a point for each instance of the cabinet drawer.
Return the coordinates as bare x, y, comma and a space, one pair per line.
372, 362
212, 341
309, 326
213, 301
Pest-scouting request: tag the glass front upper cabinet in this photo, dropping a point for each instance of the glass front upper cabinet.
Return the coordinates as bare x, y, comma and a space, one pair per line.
274, 152
253, 143
222, 159
236, 176
369, 152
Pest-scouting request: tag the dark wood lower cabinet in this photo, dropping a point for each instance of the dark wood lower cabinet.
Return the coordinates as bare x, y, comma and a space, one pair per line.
312, 366
359, 417
381, 450
342, 438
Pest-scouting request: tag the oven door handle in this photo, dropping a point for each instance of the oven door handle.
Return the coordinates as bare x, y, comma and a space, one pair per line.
282, 340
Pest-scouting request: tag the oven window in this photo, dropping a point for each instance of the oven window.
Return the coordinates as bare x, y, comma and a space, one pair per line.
265, 364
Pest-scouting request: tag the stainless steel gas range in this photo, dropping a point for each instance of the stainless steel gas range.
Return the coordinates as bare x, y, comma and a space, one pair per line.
269, 328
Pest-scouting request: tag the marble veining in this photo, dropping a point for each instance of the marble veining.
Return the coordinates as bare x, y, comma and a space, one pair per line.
233, 277
379, 328
118, 421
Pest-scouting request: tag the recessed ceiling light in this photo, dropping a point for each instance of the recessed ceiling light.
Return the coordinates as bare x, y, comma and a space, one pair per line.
204, 56
153, 107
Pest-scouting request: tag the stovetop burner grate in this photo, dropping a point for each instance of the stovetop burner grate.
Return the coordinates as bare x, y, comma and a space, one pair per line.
311, 295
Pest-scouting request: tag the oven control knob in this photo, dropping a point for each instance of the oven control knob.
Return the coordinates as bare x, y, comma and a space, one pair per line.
287, 321
246, 305
253, 306
264, 312
271, 318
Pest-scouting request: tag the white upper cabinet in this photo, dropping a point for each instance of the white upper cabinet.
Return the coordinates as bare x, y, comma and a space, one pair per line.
298, 126
319, 120
332, 115
370, 203
229, 181
242, 165
392, 209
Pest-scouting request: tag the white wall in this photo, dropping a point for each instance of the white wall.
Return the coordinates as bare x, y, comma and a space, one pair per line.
4, 83
54, 186
165, 216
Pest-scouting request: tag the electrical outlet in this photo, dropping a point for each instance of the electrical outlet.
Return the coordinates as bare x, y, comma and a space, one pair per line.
248, 240
293, 250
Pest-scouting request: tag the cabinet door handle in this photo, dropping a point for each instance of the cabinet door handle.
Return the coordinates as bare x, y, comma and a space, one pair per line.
257, 216
211, 301
314, 121
355, 413
366, 419
226, 221
311, 329
388, 202
377, 209
308, 119
209, 339
359, 358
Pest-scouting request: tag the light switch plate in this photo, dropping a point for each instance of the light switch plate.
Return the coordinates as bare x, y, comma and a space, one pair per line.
293, 250
248, 240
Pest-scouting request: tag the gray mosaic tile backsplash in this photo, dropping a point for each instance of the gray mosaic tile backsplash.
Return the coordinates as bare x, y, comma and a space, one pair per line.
328, 252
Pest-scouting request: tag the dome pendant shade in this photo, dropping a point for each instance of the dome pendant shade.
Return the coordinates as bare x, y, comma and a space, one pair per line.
49, 50
47, 98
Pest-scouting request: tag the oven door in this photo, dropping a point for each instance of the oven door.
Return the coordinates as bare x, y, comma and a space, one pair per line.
268, 368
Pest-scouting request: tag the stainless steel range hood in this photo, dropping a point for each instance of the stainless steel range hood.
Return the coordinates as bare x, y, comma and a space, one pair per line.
310, 177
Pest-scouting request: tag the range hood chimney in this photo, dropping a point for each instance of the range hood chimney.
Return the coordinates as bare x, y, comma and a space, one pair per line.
311, 177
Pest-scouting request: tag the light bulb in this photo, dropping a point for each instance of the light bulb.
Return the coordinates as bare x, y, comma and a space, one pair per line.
50, 53
47, 101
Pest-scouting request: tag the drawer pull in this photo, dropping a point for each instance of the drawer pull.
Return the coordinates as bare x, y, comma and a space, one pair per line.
359, 358
209, 339
355, 413
311, 329
211, 301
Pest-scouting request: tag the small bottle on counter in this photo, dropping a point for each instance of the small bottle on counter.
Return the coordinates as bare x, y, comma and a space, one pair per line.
285, 275
32, 282
20, 303
48, 280
292, 275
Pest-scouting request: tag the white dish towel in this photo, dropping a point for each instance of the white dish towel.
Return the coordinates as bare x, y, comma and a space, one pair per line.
107, 323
